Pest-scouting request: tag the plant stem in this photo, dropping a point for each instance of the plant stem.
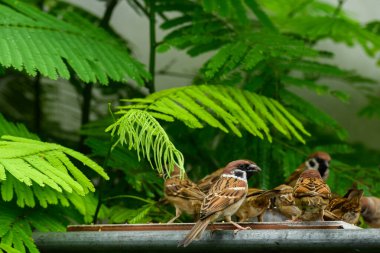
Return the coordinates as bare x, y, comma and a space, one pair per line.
152, 45
87, 91
37, 104
104, 23
101, 184
338, 8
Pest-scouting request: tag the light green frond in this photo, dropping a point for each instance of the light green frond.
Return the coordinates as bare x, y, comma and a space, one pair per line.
32, 40
33, 169
140, 131
226, 108
212, 105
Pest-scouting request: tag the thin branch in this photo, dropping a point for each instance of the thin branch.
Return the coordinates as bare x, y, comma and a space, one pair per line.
338, 8
152, 45
142, 8
104, 23
37, 104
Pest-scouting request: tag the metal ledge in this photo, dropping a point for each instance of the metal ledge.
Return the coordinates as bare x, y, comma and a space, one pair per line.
342, 238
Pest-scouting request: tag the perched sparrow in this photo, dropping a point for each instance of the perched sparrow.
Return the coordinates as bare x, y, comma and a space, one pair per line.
316, 161
183, 194
285, 202
205, 183
255, 204
224, 198
371, 211
311, 195
346, 208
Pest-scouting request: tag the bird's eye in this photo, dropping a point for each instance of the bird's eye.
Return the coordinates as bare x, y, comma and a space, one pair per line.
312, 163
241, 166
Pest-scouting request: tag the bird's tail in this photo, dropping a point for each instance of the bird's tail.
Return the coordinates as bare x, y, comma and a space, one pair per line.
195, 232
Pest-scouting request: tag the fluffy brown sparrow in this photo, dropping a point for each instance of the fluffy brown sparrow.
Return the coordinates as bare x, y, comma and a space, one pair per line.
255, 204
346, 208
224, 198
205, 183
285, 202
316, 161
183, 194
371, 211
311, 195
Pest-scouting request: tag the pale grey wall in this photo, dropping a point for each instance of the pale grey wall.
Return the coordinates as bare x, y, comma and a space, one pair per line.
134, 28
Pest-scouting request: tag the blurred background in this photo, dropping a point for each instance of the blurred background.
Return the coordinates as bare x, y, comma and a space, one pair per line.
181, 69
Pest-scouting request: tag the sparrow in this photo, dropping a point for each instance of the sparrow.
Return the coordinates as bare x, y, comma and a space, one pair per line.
346, 208
205, 183
311, 195
255, 204
285, 202
371, 211
317, 161
224, 197
183, 194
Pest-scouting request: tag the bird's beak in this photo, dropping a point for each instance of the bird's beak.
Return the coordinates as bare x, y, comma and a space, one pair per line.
253, 168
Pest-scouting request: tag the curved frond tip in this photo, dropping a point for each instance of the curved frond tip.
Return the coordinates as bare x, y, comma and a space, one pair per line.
142, 132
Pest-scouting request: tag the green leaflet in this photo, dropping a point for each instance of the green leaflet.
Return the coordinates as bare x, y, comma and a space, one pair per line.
140, 131
42, 42
32, 169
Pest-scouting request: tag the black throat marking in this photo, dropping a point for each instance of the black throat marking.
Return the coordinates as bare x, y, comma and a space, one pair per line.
323, 166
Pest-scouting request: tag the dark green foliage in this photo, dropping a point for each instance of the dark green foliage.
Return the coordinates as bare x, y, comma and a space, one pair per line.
47, 44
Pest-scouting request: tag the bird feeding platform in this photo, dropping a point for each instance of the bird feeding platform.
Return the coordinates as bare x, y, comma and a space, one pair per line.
327, 236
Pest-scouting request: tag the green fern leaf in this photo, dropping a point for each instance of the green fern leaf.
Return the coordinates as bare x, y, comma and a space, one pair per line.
42, 42
15, 129
8, 249
143, 133
235, 107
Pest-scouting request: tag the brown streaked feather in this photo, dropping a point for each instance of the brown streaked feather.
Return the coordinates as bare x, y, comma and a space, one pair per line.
311, 195
348, 207
205, 183
255, 204
183, 189
224, 193
292, 179
285, 202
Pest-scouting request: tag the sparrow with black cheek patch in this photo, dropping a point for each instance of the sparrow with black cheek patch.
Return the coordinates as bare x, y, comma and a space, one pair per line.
183, 194
205, 183
224, 197
311, 195
371, 211
255, 204
319, 161
346, 208
285, 202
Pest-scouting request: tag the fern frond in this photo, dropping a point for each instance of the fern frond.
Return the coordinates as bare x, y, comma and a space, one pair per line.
217, 104
32, 40
8, 249
30, 165
140, 131
247, 52
337, 28
15, 129
17, 225
309, 113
